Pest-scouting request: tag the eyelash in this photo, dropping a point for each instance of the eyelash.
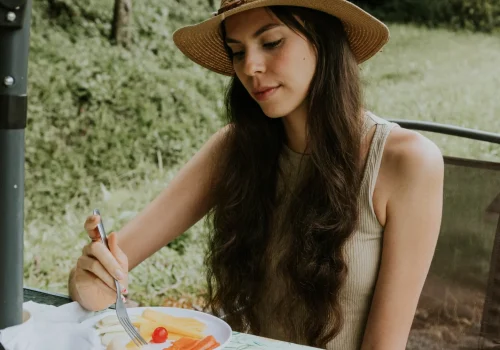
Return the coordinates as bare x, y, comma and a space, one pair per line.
270, 46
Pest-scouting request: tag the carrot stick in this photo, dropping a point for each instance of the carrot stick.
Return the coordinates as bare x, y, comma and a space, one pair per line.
215, 346
204, 344
182, 344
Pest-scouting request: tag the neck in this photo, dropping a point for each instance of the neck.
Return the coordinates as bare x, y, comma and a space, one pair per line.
295, 127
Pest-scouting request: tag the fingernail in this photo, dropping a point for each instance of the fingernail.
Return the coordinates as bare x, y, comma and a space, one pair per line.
124, 299
119, 274
124, 291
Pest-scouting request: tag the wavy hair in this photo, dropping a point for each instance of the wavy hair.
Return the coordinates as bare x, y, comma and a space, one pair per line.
321, 215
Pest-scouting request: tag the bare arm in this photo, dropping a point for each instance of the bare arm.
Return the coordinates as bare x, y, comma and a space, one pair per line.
414, 212
183, 203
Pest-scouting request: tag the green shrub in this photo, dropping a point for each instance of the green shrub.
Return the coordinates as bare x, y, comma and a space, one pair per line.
475, 15
98, 110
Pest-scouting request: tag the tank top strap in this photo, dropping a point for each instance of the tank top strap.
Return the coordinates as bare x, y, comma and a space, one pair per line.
376, 150
368, 123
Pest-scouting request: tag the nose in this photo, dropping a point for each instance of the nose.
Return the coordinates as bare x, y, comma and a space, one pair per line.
254, 63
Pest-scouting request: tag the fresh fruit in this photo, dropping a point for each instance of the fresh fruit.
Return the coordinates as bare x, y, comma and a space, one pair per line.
160, 335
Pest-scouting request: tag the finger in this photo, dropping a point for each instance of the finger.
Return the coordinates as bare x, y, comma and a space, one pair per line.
92, 265
99, 251
91, 226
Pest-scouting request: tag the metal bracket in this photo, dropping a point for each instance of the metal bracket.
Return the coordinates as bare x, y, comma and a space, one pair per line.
12, 13
15, 108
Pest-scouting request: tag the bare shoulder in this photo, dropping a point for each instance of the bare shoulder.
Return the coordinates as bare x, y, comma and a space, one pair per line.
217, 140
410, 157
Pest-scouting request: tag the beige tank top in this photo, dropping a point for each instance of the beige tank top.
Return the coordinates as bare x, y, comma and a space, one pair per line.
362, 251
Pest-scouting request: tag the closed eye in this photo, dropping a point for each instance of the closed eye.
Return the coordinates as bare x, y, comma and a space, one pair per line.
272, 45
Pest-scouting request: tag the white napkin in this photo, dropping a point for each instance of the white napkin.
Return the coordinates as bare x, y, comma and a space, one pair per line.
52, 328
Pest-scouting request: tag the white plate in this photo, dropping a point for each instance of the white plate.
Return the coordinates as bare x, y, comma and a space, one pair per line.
216, 327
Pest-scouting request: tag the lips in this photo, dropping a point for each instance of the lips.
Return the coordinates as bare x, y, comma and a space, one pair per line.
264, 93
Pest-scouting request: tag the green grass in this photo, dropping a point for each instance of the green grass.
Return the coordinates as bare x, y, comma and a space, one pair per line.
432, 75
439, 76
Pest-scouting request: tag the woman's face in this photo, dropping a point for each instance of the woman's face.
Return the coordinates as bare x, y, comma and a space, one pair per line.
274, 63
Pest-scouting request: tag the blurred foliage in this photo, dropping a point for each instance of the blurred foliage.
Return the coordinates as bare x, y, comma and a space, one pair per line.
474, 15
109, 127
98, 110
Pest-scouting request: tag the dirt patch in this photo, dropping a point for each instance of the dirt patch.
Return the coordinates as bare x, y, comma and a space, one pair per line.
448, 316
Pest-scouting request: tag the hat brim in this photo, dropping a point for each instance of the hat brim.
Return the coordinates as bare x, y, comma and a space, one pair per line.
203, 44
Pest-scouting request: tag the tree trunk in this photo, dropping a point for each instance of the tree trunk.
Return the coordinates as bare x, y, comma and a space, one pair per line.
121, 28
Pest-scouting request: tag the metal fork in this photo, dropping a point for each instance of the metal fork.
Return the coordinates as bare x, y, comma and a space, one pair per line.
121, 311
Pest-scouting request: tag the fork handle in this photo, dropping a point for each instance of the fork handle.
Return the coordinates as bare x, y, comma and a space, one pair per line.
118, 291
100, 228
104, 240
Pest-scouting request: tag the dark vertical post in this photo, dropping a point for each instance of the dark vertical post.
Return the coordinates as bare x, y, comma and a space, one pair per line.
15, 16
490, 322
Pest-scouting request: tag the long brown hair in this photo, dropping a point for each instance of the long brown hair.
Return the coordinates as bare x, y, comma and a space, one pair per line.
324, 210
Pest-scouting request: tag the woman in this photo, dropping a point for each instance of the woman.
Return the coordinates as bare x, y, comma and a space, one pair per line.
324, 216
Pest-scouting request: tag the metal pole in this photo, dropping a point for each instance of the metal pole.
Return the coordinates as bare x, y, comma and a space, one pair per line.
15, 16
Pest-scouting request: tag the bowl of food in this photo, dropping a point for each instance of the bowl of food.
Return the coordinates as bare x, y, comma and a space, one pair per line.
163, 328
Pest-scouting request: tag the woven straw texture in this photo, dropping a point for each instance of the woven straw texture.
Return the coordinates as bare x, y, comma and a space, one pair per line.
202, 42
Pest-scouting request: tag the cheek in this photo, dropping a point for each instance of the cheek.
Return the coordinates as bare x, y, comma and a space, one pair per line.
285, 64
307, 67
308, 62
297, 70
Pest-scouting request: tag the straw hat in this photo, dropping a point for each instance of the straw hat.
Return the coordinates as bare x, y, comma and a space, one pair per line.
203, 44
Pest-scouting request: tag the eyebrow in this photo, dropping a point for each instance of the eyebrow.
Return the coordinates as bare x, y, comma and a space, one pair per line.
257, 33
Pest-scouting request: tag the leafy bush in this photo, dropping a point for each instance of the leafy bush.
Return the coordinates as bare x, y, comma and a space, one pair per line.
475, 15
98, 110
478, 15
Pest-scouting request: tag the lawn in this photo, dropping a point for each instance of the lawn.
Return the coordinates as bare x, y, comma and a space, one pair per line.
439, 76
430, 75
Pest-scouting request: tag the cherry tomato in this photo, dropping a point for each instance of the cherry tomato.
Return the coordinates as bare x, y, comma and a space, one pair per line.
160, 335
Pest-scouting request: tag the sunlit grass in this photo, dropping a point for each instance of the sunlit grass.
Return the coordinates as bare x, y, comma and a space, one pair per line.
439, 76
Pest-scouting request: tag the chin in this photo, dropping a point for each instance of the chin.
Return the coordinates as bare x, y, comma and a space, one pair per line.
275, 111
